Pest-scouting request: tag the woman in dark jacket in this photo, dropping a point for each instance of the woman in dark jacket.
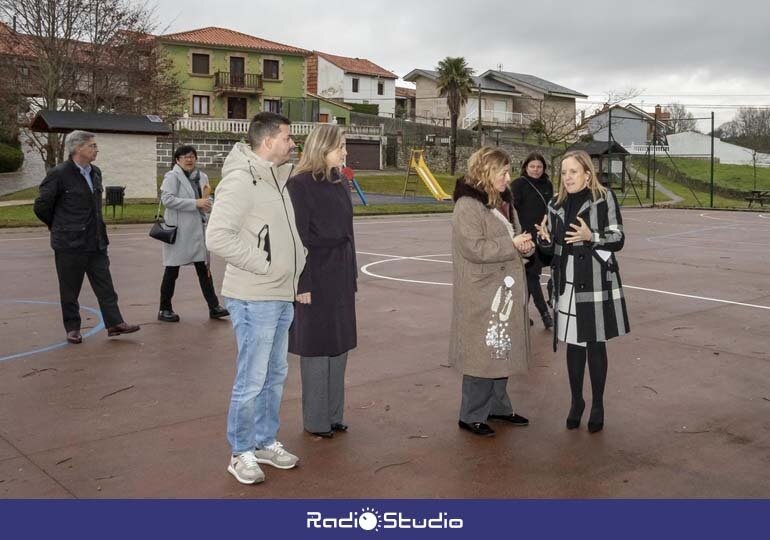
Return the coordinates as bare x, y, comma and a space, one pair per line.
583, 230
531, 193
324, 328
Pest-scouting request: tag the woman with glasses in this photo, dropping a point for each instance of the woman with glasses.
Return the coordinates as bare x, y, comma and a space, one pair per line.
185, 195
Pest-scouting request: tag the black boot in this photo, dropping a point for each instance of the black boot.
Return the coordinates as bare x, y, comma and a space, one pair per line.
597, 369
576, 365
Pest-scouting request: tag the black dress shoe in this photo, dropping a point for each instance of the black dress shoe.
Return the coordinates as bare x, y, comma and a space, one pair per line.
122, 328
477, 428
547, 320
575, 413
324, 434
166, 315
74, 337
218, 312
339, 426
596, 419
514, 419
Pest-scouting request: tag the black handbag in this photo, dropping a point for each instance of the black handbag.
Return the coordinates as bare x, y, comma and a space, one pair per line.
161, 231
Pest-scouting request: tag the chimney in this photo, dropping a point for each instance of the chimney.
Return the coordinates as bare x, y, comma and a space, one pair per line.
657, 111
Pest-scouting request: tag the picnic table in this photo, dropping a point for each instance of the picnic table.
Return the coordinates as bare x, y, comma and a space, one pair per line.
761, 196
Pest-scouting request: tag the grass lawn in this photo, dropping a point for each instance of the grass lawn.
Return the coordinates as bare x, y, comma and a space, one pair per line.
23, 216
738, 177
393, 184
23, 195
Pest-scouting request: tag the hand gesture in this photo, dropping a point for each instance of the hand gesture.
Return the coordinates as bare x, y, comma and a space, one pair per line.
542, 230
203, 204
523, 242
303, 298
579, 233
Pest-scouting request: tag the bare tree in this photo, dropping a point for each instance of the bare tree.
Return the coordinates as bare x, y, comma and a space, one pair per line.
92, 55
680, 119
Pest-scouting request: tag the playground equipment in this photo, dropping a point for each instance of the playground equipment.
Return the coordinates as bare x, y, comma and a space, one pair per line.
347, 172
417, 165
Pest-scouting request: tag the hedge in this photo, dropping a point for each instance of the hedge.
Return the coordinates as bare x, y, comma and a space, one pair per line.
10, 158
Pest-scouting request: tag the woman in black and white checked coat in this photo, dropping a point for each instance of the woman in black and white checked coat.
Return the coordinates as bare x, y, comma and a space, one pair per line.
583, 230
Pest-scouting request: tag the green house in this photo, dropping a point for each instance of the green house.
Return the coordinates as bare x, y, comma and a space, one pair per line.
230, 75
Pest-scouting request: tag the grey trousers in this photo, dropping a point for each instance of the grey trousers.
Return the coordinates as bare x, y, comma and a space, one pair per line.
482, 397
323, 391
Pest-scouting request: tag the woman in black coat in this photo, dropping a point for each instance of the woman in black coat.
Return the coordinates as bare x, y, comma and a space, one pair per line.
583, 230
531, 193
324, 328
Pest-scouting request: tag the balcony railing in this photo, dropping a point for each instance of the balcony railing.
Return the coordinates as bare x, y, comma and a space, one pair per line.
240, 127
249, 83
634, 148
489, 116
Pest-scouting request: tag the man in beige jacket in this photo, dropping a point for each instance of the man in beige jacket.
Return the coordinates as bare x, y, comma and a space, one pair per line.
252, 228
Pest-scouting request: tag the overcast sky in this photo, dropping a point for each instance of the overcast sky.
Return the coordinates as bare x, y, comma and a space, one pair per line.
700, 53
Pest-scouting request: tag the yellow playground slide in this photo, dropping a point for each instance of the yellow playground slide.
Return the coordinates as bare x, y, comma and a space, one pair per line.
417, 163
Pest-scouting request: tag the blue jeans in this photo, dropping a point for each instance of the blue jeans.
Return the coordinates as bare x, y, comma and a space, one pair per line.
262, 335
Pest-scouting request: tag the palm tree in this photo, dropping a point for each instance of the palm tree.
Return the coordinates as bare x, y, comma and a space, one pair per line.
454, 82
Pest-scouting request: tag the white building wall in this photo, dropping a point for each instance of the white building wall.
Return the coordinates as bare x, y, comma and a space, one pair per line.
691, 143
129, 160
367, 93
330, 80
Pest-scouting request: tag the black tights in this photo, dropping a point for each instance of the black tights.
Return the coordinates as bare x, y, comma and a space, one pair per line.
168, 285
596, 353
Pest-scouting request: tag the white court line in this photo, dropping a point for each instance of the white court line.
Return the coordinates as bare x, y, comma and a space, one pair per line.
365, 270
749, 223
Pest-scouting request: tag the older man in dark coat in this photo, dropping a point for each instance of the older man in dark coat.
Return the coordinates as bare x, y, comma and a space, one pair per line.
70, 204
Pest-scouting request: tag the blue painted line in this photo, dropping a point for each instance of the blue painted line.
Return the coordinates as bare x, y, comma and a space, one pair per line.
64, 343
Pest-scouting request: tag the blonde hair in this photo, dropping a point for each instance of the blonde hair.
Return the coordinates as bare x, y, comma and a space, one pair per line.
324, 139
483, 165
597, 190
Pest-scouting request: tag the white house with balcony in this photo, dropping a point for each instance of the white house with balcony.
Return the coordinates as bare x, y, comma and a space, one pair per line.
507, 99
352, 80
630, 126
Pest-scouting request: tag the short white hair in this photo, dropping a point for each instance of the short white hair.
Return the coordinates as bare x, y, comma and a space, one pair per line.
76, 139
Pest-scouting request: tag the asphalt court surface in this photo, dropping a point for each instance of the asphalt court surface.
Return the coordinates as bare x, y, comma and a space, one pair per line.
687, 400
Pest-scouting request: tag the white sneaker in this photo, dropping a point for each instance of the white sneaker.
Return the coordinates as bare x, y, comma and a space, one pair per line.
245, 468
275, 455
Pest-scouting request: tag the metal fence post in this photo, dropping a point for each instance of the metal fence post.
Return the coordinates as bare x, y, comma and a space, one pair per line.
712, 160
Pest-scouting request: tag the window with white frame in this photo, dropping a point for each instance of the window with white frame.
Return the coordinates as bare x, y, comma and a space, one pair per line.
272, 105
380, 88
355, 86
201, 105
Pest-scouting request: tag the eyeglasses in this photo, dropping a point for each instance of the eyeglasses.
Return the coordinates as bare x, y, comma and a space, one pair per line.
189, 156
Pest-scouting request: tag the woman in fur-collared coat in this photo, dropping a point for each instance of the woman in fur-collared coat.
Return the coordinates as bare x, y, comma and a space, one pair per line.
490, 325
583, 230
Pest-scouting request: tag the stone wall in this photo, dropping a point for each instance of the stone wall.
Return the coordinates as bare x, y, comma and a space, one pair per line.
437, 157
212, 149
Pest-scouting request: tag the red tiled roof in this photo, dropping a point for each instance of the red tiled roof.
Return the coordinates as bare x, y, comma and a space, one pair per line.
15, 44
359, 66
405, 92
222, 37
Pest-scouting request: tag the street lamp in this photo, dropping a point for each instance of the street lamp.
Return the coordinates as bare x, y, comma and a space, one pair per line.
497, 132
